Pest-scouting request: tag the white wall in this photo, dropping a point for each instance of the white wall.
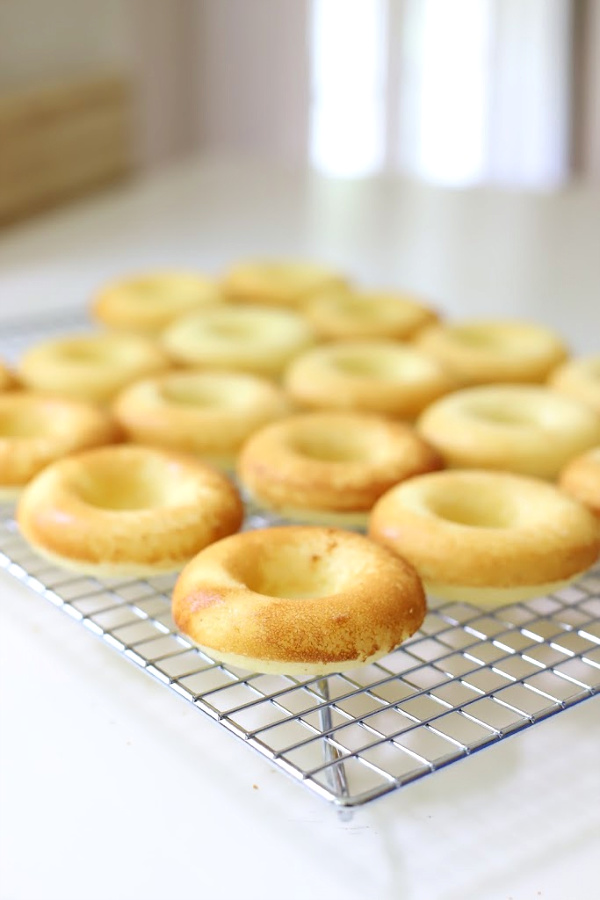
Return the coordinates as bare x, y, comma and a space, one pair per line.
252, 77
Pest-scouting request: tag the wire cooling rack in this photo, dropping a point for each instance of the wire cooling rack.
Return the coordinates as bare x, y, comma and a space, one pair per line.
467, 679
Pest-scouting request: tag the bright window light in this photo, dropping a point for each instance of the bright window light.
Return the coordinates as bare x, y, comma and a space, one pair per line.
348, 69
452, 126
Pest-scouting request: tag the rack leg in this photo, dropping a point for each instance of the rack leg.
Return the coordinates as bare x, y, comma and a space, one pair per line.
336, 773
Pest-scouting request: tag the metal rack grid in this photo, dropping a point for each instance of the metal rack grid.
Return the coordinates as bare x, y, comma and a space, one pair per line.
467, 679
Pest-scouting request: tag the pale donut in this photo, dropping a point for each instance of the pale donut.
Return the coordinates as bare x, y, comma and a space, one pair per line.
259, 340
91, 366
482, 351
526, 429
148, 303
36, 429
581, 479
487, 538
207, 413
579, 378
127, 510
370, 376
282, 283
339, 313
7, 379
330, 468
298, 600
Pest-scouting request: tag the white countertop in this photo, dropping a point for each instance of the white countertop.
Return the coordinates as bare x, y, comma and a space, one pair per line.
111, 787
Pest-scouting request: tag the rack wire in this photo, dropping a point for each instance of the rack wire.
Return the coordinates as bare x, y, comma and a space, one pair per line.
466, 680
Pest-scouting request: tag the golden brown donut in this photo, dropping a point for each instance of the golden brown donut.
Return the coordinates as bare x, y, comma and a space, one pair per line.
282, 283
479, 351
340, 313
298, 600
127, 510
259, 340
579, 378
488, 538
330, 468
376, 376
207, 413
7, 379
91, 367
581, 479
148, 303
36, 429
528, 429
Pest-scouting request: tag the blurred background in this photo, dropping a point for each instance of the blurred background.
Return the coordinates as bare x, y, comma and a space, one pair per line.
461, 93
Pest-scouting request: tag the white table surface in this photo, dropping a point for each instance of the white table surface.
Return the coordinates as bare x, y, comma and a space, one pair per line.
112, 787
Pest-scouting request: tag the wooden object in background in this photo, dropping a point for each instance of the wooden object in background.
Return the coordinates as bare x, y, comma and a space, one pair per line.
61, 141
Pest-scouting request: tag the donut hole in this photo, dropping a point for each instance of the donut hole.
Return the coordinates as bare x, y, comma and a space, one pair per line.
280, 274
502, 413
86, 352
331, 447
520, 409
360, 309
235, 331
481, 337
483, 508
395, 365
98, 353
370, 366
356, 307
295, 573
190, 393
131, 485
146, 290
196, 393
201, 392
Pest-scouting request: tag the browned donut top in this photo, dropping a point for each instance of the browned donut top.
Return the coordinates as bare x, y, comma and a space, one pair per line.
486, 529
90, 366
298, 594
206, 412
36, 429
277, 282
7, 379
331, 461
148, 302
128, 504
482, 351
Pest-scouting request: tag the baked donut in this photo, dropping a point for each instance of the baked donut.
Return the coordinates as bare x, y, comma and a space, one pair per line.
256, 339
281, 283
7, 379
298, 600
207, 413
479, 351
579, 378
329, 468
370, 376
340, 313
36, 429
127, 510
581, 479
488, 538
148, 303
527, 429
90, 366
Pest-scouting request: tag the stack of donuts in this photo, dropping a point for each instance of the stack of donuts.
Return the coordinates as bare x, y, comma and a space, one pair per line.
392, 454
